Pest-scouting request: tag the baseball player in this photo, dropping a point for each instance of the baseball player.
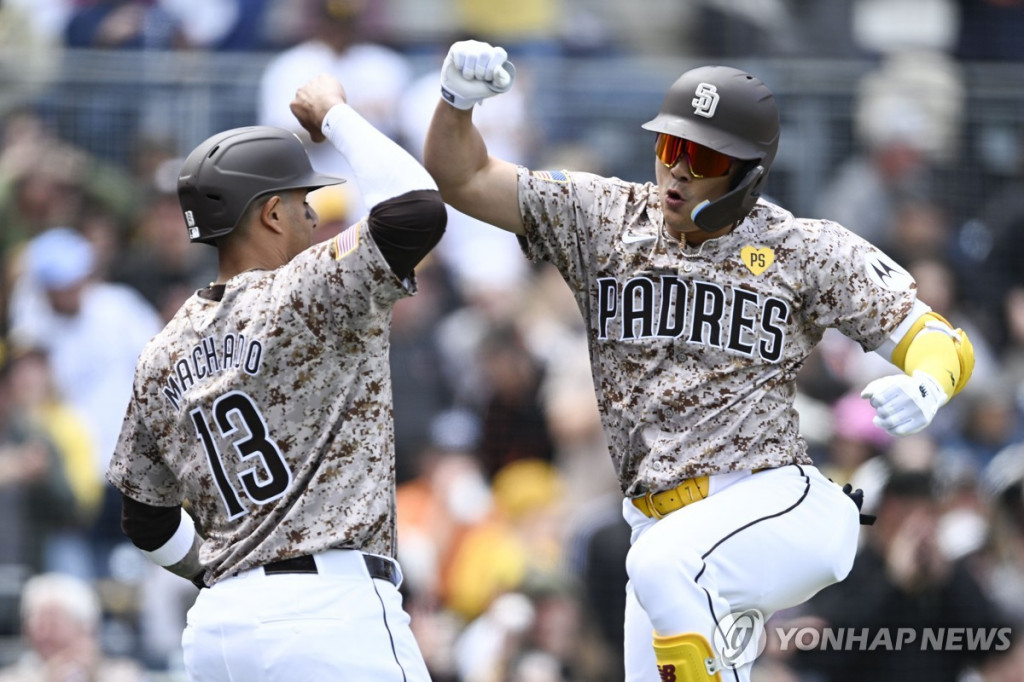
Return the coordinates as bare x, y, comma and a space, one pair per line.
265, 404
702, 300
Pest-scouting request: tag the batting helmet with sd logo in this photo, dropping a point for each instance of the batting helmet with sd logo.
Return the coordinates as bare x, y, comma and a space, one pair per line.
226, 172
731, 112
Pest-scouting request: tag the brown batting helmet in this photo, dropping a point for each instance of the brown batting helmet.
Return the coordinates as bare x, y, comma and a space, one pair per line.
227, 171
731, 112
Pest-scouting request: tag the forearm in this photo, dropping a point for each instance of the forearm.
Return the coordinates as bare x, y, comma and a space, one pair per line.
166, 535
937, 361
935, 354
470, 180
188, 566
454, 151
381, 167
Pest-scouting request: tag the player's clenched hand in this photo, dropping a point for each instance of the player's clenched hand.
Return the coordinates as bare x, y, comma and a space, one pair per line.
905, 404
313, 100
474, 71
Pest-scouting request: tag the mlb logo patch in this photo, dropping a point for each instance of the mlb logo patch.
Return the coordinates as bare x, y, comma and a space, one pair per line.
551, 176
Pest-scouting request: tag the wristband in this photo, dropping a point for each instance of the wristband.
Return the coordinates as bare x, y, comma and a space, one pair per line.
178, 546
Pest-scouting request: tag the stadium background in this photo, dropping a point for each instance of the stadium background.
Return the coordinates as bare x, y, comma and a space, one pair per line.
903, 120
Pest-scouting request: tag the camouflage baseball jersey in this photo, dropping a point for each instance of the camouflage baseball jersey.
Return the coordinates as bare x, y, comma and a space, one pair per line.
694, 349
269, 410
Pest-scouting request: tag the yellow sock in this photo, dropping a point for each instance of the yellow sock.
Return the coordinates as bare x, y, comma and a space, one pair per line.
685, 658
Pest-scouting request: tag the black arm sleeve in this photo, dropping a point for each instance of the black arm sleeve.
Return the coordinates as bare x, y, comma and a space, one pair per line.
407, 227
148, 527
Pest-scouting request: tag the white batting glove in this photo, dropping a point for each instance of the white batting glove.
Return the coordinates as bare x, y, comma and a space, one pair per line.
474, 71
905, 404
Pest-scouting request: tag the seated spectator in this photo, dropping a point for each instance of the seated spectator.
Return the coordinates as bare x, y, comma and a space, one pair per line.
519, 544
33, 396
46, 182
1003, 483
110, 113
908, 112
159, 262
41, 184
60, 619
92, 332
123, 24
514, 426
35, 497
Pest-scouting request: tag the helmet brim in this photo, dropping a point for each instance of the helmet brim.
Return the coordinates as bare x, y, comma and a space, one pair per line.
708, 136
323, 180
317, 180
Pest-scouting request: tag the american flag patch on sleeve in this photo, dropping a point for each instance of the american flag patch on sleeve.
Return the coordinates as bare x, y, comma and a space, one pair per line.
346, 242
551, 176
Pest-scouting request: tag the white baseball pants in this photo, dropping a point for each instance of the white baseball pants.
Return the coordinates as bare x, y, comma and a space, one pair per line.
336, 624
765, 541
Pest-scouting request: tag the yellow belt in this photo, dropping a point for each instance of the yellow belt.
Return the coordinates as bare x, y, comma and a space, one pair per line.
657, 505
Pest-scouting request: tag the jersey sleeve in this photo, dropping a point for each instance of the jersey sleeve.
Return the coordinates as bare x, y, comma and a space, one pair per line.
567, 218
138, 468
859, 290
342, 286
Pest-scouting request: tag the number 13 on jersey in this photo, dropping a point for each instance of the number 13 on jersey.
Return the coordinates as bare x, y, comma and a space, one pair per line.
239, 421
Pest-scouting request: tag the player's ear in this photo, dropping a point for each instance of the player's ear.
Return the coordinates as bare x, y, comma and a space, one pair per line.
271, 214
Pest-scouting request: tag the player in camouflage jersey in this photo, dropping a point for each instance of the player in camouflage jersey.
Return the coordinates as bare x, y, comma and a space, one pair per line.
702, 301
266, 405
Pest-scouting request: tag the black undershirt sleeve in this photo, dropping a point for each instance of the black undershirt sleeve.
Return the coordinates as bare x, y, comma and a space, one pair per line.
148, 527
407, 227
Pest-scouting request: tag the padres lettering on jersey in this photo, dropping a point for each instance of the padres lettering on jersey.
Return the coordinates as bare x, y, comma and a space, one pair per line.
698, 312
694, 349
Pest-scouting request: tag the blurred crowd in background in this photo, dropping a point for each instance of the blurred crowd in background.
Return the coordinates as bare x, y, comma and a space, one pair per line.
510, 533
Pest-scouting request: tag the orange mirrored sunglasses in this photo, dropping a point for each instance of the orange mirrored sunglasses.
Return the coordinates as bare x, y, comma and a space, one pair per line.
702, 161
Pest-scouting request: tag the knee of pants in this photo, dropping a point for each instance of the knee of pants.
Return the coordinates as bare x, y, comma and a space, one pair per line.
649, 564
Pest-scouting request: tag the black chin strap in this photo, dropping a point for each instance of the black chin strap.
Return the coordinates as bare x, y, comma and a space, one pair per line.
733, 206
